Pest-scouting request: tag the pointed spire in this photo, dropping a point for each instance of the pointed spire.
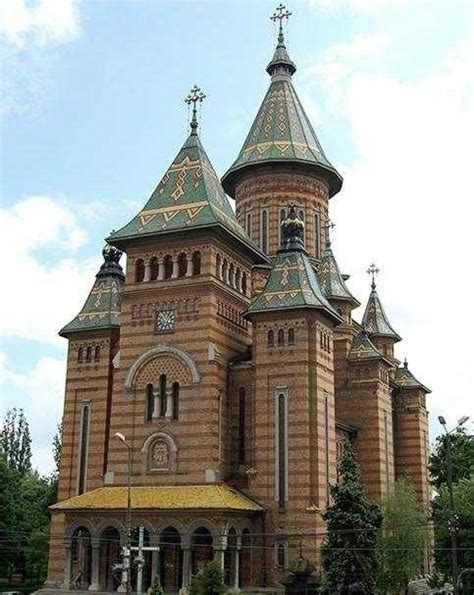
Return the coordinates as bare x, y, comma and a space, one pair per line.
406, 380
329, 275
102, 308
375, 320
194, 96
281, 63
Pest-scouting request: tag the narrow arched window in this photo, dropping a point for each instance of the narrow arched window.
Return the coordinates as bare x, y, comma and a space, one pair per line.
80, 355
264, 239
232, 275
218, 266
281, 450
150, 402
249, 224
139, 270
96, 353
83, 449
196, 263
316, 235
238, 280
291, 336
175, 400
182, 265
242, 426
301, 216
163, 395
89, 354
281, 337
281, 555
154, 269
244, 283
270, 339
321, 340
168, 266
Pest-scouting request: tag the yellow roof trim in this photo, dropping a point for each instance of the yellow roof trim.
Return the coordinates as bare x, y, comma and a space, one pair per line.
210, 496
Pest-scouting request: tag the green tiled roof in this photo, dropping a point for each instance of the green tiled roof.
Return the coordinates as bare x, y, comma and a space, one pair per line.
189, 196
102, 308
405, 379
292, 282
281, 131
363, 348
331, 280
375, 320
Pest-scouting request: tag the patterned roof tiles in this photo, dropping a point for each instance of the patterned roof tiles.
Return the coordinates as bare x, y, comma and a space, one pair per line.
405, 379
331, 279
375, 320
363, 348
220, 497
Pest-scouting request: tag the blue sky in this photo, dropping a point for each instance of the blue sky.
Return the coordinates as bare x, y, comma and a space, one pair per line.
92, 114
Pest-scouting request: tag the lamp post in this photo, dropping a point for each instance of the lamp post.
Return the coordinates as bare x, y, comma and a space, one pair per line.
453, 522
128, 551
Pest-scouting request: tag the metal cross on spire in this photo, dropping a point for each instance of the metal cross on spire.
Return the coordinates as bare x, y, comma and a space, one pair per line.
280, 14
373, 271
194, 96
328, 226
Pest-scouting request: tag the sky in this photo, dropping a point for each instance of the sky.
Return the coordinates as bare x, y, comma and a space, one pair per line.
92, 113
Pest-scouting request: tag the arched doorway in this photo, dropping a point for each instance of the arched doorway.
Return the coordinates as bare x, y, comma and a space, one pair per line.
231, 560
171, 559
246, 559
147, 556
110, 555
201, 549
81, 557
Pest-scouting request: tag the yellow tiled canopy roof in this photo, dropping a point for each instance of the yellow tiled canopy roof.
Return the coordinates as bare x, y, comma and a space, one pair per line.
212, 496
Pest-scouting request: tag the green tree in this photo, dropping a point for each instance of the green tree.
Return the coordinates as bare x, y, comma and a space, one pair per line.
57, 444
15, 441
209, 581
463, 496
9, 546
349, 550
462, 457
401, 543
156, 587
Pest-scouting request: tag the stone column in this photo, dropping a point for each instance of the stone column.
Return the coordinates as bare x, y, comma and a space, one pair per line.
154, 557
95, 562
186, 547
169, 402
67, 567
237, 564
174, 275
147, 275
189, 265
156, 402
161, 270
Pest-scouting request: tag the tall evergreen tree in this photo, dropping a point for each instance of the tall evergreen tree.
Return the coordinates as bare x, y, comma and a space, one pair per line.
349, 551
15, 441
402, 541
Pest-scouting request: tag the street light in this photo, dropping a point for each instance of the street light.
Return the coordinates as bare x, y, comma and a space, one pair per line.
128, 551
453, 526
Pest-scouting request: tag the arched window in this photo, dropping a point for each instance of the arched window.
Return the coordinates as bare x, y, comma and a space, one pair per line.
280, 555
139, 270
218, 266
80, 355
270, 339
175, 400
316, 235
196, 263
163, 395
150, 402
238, 279
154, 268
89, 354
281, 450
182, 265
264, 240
242, 426
96, 353
232, 275
321, 340
83, 449
281, 337
291, 336
225, 271
168, 266
249, 224
244, 283
301, 216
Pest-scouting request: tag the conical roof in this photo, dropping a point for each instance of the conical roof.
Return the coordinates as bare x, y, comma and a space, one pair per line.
292, 282
363, 348
375, 320
101, 310
281, 131
189, 196
331, 279
405, 379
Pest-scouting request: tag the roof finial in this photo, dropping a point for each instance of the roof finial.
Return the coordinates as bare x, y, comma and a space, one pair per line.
280, 13
292, 230
405, 363
328, 226
194, 96
373, 271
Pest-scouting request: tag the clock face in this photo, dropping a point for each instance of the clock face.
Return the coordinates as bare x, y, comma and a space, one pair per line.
165, 321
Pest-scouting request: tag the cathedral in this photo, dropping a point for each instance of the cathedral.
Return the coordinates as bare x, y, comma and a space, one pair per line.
212, 383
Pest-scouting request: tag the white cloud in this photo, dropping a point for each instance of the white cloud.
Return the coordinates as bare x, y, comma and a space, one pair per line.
406, 202
40, 22
42, 295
